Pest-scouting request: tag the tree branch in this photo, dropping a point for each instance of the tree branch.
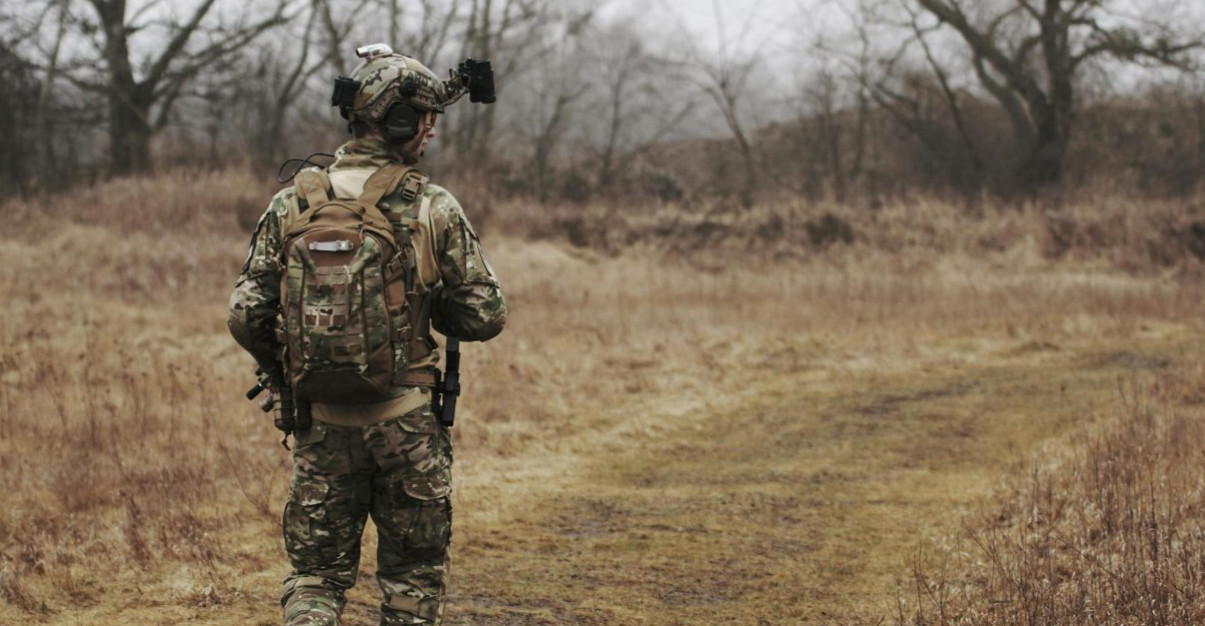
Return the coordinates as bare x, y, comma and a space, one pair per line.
1012, 105
176, 45
1127, 44
951, 99
231, 43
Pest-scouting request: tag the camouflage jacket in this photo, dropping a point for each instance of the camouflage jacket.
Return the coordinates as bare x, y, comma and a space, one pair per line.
466, 300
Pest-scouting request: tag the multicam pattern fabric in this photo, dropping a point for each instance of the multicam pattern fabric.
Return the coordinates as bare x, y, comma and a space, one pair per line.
409, 460
395, 78
398, 471
343, 316
312, 602
466, 300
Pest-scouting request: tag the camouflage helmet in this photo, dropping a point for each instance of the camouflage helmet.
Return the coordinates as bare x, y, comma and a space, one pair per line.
386, 78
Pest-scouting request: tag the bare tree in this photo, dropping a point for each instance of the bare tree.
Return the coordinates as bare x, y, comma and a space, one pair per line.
725, 76
828, 126
20, 89
1027, 54
640, 102
565, 80
22, 100
319, 39
843, 82
42, 111
142, 92
339, 19
511, 34
906, 108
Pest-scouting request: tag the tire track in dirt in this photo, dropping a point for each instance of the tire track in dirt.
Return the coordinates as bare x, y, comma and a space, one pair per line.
799, 501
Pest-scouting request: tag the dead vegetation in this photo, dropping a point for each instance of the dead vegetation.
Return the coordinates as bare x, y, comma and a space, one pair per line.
1108, 532
1132, 235
143, 488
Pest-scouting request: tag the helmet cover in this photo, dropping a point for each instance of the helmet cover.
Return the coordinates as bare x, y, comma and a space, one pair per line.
392, 78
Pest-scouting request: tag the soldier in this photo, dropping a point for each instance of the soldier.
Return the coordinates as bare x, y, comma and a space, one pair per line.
377, 450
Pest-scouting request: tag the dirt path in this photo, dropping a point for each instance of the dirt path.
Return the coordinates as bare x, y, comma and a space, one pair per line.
797, 501
793, 491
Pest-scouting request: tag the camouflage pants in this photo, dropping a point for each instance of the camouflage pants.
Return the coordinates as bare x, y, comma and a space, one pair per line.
399, 472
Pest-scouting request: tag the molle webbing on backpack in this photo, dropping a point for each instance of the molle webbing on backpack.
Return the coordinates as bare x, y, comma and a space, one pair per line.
415, 256
347, 292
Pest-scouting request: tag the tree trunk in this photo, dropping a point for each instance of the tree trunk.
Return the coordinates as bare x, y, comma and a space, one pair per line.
606, 174
49, 164
727, 103
547, 141
855, 169
832, 134
1200, 137
1043, 165
129, 104
129, 133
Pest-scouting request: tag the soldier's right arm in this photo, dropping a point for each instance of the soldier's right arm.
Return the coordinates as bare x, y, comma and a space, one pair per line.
256, 297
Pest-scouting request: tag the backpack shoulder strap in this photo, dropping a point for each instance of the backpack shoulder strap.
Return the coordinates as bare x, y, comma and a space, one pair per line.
382, 183
389, 178
313, 188
316, 198
424, 244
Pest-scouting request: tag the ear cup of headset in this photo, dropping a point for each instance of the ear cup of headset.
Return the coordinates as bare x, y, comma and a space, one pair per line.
400, 123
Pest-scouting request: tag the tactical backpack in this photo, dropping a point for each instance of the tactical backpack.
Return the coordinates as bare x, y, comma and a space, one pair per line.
347, 290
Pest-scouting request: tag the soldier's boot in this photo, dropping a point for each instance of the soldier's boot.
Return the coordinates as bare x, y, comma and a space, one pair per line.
312, 606
404, 610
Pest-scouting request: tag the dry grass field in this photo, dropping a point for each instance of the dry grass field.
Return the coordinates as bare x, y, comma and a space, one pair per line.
988, 420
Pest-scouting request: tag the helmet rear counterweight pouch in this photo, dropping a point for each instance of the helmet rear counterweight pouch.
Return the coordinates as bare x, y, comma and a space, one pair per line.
346, 323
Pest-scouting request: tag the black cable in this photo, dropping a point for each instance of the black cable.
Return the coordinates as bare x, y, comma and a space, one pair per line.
300, 164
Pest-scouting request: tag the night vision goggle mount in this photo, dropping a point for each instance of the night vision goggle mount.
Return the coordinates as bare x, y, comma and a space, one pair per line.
477, 77
472, 76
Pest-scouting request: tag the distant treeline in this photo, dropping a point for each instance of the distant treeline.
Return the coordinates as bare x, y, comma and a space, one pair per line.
920, 96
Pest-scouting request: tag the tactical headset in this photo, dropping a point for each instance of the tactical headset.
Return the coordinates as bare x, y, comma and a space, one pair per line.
400, 123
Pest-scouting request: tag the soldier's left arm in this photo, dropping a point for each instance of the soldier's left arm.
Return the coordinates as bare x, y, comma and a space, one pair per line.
467, 302
253, 305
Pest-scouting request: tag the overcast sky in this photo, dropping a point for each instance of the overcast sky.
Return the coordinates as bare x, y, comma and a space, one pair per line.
772, 26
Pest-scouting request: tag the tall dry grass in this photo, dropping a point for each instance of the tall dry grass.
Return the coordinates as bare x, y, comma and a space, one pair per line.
139, 478
1109, 533
120, 438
